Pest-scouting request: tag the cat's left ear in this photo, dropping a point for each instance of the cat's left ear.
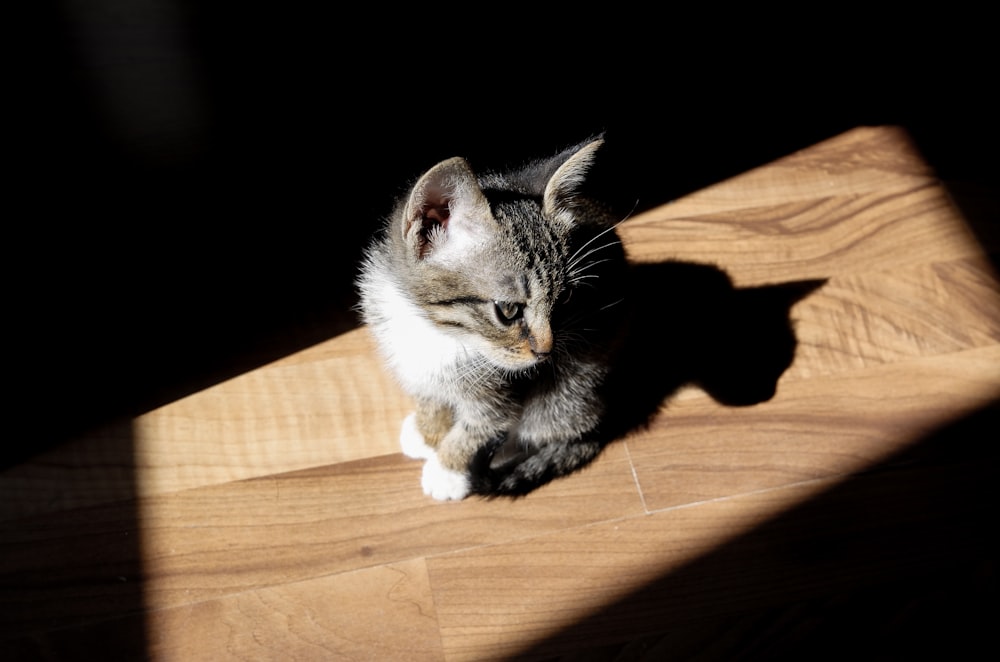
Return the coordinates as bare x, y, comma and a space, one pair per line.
563, 188
445, 207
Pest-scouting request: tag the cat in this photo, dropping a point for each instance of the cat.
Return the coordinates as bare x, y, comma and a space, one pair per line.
498, 302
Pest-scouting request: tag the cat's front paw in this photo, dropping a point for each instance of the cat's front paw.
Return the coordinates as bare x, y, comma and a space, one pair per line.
442, 483
412, 442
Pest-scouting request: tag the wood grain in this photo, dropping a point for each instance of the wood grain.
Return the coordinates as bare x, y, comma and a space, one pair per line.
819, 428
332, 617
726, 557
816, 238
222, 540
282, 417
272, 516
869, 319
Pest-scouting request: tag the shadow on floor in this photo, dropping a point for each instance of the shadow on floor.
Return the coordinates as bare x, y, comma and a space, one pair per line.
691, 325
897, 563
65, 569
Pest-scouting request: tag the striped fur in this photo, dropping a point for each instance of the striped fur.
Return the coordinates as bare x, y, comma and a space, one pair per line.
497, 301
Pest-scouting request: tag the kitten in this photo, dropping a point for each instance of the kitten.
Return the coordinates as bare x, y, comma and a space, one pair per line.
498, 301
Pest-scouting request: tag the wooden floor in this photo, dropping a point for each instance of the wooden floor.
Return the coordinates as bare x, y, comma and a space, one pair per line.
272, 516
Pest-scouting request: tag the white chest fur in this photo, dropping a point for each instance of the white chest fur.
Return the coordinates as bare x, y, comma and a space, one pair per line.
420, 355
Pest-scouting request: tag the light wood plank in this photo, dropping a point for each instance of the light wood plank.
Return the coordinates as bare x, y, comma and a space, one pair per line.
330, 403
697, 450
289, 527
614, 582
871, 318
816, 238
538, 586
384, 612
221, 540
380, 613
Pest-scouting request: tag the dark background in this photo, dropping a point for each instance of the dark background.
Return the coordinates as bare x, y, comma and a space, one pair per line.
193, 182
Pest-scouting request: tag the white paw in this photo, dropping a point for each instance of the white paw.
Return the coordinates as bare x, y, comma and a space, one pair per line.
412, 442
442, 483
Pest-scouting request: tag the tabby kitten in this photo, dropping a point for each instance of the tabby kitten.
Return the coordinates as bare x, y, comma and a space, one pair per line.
497, 301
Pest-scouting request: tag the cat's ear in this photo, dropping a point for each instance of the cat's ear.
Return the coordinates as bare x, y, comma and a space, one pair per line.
444, 205
563, 188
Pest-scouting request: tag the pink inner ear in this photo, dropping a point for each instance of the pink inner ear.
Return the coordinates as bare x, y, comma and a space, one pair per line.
433, 220
436, 215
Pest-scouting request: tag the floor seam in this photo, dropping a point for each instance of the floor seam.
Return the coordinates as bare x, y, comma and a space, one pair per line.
635, 478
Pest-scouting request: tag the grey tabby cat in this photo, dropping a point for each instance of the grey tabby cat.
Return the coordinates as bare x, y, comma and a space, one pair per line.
498, 301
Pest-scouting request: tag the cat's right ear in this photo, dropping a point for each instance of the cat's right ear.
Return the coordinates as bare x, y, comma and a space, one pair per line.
443, 207
563, 188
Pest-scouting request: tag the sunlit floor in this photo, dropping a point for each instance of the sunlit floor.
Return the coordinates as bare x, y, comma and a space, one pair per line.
272, 516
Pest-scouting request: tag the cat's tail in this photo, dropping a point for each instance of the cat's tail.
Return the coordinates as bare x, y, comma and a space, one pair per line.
530, 468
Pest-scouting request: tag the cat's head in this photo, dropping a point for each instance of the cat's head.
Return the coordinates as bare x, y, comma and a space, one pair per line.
490, 259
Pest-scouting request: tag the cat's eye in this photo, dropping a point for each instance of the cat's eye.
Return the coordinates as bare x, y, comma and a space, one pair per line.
508, 311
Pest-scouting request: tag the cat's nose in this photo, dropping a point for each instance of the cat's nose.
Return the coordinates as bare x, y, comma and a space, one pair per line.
541, 345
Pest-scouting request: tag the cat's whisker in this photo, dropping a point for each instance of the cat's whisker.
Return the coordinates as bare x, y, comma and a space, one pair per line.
596, 237
576, 273
572, 343
582, 260
476, 371
583, 277
631, 211
575, 262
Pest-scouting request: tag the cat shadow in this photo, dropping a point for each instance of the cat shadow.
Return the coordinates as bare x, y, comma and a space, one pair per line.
691, 325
